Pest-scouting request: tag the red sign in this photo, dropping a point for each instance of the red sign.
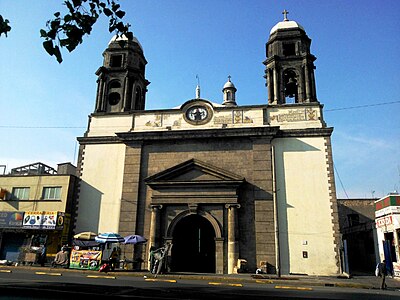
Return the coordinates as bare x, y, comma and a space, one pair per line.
384, 221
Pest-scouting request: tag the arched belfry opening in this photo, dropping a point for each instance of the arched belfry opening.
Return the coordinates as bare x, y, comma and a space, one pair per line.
290, 87
193, 245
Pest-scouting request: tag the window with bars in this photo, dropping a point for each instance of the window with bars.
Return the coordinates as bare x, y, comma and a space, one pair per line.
51, 193
20, 193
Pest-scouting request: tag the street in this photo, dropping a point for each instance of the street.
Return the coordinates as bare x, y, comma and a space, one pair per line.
18, 283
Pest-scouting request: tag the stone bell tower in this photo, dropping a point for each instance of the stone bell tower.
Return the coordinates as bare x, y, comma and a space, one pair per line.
121, 80
289, 65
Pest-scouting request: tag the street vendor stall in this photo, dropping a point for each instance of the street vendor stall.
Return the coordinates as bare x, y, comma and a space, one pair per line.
85, 254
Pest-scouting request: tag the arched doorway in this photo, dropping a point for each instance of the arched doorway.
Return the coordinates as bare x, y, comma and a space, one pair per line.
193, 247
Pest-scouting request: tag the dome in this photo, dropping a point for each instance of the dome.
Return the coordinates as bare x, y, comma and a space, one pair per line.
123, 37
286, 24
229, 84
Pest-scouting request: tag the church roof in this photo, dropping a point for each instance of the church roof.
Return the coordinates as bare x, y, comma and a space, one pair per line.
123, 37
286, 24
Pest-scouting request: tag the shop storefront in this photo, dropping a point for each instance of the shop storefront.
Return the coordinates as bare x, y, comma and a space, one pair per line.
387, 220
25, 235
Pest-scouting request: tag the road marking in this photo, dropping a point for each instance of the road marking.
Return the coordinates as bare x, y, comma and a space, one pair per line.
101, 276
223, 283
265, 281
293, 288
165, 280
5, 271
48, 273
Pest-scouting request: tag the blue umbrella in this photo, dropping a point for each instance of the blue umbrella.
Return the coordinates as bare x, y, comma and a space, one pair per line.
109, 237
134, 239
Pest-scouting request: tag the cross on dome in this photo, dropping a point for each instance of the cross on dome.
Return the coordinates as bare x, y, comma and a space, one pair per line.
285, 13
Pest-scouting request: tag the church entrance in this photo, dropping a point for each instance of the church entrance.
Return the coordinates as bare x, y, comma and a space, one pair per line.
193, 246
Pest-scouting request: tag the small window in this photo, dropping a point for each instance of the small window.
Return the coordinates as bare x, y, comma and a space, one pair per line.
289, 49
116, 61
354, 219
115, 84
20, 193
51, 193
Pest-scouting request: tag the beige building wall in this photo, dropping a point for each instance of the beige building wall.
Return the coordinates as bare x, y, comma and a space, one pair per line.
304, 207
35, 185
101, 187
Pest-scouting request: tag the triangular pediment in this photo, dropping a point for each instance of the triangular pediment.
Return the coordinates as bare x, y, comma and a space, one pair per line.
192, 171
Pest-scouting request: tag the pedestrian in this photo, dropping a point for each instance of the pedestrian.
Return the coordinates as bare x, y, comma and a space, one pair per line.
42, 255
382, 272
113, 258
152, 259
61, 259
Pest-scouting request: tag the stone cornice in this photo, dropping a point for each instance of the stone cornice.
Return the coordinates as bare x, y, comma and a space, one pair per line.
270, 132
307, 132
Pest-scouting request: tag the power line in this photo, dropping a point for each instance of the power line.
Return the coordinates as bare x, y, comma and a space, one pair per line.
341, 183
361, 106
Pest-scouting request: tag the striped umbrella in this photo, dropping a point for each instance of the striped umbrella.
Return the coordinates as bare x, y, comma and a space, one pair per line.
109, 237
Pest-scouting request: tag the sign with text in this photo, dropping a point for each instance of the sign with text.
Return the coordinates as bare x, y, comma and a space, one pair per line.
384, 221
85, 259
11, 219
43, 220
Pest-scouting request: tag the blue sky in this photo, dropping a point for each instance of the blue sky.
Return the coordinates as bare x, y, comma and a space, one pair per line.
45, 105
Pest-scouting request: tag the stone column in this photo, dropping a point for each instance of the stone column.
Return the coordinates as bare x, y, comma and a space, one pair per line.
276, 86
308, 83
233, 249
153, 224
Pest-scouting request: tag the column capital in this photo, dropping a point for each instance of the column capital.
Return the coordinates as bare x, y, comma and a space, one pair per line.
232, 205
155, 207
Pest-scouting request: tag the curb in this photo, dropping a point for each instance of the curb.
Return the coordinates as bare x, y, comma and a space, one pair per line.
232, 279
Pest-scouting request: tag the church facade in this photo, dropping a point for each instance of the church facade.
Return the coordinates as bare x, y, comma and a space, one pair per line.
219, 182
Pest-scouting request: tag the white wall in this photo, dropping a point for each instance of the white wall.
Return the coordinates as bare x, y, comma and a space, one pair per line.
101, 188
304, 208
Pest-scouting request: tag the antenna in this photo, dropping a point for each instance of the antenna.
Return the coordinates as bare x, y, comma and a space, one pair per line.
198, 87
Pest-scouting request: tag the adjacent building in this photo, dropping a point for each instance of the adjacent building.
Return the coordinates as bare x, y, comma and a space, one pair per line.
387, 219
359, 235
36, 205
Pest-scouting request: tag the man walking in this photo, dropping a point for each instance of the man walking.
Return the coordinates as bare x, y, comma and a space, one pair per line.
382, 273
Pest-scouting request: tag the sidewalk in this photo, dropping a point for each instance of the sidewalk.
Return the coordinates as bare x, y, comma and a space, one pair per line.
361, 281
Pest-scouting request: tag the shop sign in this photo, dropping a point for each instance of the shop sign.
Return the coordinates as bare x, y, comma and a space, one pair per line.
384, 221
85, 259
11, 219
387, 210
43, 220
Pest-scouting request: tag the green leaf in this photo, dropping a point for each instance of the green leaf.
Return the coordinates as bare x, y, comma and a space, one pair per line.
4, 27
115, 7
43, 33
120, 14
57, 14
48, 46
57, 54
107, 12
77, 3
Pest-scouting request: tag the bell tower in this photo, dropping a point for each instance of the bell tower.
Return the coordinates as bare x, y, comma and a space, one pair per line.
289, 65
121, 83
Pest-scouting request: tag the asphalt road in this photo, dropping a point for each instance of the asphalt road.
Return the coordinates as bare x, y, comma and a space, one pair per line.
60, 284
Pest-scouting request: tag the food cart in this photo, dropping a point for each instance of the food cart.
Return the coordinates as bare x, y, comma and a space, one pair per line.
85, 255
